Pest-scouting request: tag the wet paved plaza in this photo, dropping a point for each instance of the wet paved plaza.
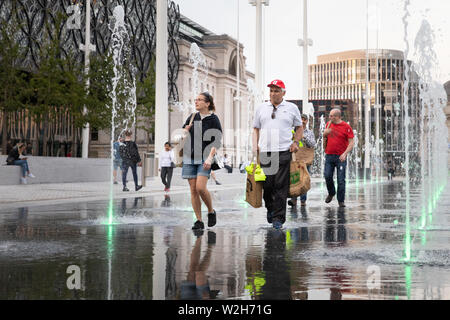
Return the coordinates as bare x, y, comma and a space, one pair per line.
150, 252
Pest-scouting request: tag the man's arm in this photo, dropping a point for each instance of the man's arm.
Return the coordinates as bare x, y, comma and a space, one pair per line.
309, 139
255, 140
326, 132
297, 137
351, 143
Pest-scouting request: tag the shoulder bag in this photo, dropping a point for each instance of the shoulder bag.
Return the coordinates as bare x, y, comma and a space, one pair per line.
185, 134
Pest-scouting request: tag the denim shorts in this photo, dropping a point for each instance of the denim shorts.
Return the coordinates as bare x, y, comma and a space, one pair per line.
191, 171
117, 164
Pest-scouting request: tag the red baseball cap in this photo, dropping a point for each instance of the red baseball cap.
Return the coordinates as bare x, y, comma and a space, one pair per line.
277, 83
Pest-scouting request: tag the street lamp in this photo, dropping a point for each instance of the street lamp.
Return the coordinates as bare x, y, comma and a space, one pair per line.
258, 48
305, 42
87, 48
161, 90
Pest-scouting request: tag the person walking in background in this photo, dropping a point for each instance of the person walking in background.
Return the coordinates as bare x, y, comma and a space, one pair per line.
338, 142
272, 137
390, 169
213, 175
204, 138
130, 159
117, 160
14, 158
166, 165
309, 141
227, 163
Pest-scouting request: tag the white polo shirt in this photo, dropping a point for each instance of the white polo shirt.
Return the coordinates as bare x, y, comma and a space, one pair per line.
275, 135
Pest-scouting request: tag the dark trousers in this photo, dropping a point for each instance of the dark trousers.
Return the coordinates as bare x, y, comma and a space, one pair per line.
276, 186
166, 176
331, 162
125, 166
229, 169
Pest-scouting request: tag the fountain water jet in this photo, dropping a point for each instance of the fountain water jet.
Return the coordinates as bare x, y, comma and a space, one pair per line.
124, 86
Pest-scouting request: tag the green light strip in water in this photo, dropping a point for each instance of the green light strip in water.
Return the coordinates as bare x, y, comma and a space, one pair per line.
408, 277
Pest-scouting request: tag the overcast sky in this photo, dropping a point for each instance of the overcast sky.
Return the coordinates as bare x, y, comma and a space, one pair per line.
332, 25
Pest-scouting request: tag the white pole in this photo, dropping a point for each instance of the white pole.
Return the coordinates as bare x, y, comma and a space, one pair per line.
87, 47
259, 87
161, 91
238, 94
367, 103
305, 55
377, 110
258, 51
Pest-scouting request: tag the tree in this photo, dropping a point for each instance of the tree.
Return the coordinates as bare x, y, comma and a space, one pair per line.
145, 110
58, 83
12, 78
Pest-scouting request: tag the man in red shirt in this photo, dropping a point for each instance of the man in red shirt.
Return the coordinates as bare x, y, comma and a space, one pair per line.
338, 142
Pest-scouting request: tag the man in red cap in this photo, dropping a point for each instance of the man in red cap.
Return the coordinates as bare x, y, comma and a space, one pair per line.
272, 138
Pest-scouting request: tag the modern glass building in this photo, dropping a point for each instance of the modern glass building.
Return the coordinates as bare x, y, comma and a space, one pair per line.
344, 76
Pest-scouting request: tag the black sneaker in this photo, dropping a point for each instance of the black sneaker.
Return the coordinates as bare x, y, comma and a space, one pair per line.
328, 199
115, 182
125, 189
218, 183
212, 219
198, 225
342, 204
138, 188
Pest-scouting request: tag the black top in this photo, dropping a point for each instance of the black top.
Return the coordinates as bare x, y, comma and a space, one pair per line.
13, 156
210, 138
129, 152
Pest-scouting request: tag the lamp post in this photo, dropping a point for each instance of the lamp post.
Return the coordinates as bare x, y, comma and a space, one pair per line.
258, 49
87, 48
161, 90
367, 105
305, 42
238, 94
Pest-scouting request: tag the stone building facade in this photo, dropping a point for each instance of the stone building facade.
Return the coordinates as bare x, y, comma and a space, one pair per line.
219, 79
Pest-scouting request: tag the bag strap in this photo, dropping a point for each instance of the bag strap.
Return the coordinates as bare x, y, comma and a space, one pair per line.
192, 118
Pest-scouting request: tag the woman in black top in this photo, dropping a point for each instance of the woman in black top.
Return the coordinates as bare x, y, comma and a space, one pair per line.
14, 159
130, 159
204, 139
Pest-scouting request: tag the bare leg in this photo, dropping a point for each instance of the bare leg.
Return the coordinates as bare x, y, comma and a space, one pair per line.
203, 192
195, 199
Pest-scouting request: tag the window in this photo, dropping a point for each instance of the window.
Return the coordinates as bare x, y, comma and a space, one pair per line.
94, 134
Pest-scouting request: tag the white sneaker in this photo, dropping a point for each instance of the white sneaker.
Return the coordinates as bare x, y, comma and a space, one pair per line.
31, 175
23, 180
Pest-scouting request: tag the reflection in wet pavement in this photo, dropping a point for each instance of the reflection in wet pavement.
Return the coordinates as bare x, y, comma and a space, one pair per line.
150, 251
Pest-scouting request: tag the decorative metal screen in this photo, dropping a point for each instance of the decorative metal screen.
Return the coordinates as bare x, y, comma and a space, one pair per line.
39, 16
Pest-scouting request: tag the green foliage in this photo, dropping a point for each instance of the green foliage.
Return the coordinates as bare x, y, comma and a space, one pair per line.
59, 84
145, 110
98, 101
12, 78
